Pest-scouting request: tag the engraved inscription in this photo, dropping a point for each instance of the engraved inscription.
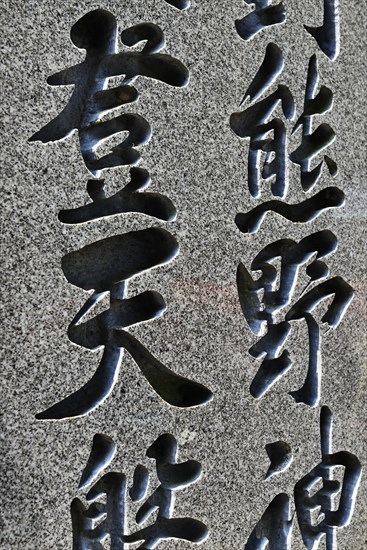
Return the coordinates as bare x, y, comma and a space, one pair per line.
262, 301
104, 518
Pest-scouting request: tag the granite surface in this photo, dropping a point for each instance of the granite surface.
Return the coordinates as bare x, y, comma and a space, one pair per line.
199, 163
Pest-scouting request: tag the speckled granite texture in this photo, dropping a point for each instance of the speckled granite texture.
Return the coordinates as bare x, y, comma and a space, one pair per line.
196, 160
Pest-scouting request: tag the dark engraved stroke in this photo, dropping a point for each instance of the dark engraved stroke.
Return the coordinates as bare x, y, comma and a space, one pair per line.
314, 104
327, 36
280, 456
330, 516
305, 211
104, 266
264, 15
274, 529
129, 199
96, 33
101, 454
269, 70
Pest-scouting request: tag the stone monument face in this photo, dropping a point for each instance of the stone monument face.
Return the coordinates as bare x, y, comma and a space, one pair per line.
184, 305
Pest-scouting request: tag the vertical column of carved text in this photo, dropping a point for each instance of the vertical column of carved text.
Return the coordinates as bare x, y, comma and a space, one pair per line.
105, 267
268, 302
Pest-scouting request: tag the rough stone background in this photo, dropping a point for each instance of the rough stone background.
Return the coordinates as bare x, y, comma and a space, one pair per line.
196, 160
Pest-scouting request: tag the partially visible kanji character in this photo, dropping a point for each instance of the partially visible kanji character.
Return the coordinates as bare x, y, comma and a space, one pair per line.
274, 530
329, 518
321, 511
327, 36
85, 535
262, 299
96, 32
265, 14
92, 526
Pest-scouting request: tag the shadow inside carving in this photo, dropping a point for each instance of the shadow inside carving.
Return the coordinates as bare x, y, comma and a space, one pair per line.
102, 453
264, 15
108, 518
96, 33
329, 517
139, 488
313, 143
128, 199
269, 70
305, 211
103, 263
262, 298
105, 266
179, 4
327, 35
254, 123
274, 529
280, 456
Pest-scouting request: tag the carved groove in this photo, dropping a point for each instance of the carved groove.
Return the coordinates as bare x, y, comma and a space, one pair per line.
253, 123
96, 32
305, 211
274, 530
280, 456
270, 69
102, 453
99, 265
179, 4
329, 519
127, 200
327, 35
111, 514
261, 314
264, 15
